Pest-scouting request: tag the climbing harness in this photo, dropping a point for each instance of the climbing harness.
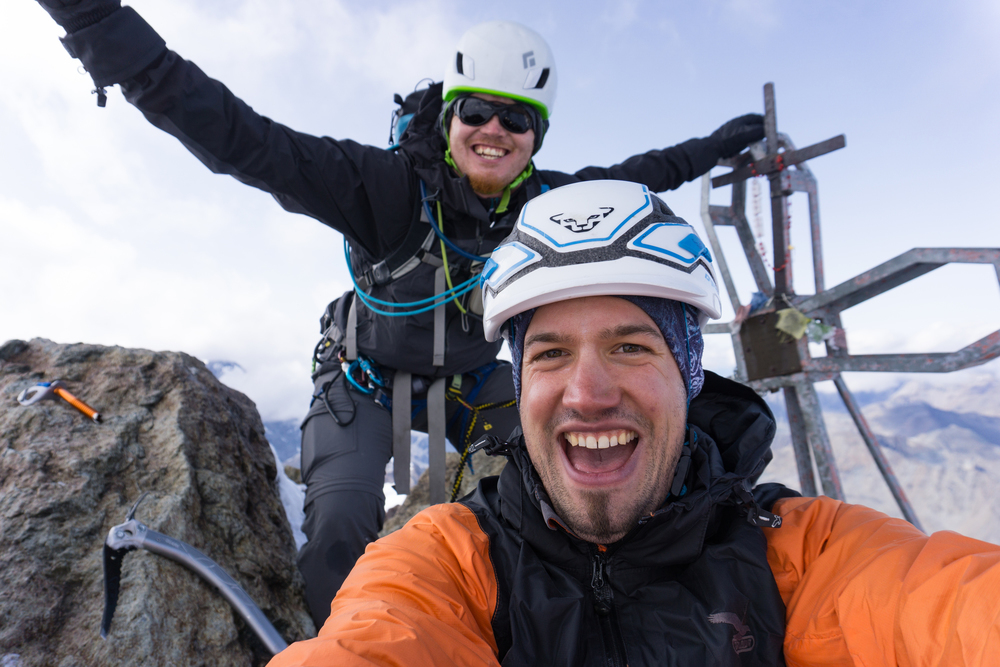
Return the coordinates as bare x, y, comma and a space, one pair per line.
364, 376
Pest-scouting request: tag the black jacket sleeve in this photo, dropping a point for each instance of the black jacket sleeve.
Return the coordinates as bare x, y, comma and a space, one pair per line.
665, 169
364, 192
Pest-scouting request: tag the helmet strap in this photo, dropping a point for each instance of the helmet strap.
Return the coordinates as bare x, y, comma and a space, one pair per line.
450, 161
505, 199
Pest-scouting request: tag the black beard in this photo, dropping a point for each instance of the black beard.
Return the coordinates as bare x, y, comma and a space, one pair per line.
601, 529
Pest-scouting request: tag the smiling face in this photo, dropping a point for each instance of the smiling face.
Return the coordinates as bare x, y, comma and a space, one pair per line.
490, 155
603, 409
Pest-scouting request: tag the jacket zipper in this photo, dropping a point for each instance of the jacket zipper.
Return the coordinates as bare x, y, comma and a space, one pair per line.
605, 608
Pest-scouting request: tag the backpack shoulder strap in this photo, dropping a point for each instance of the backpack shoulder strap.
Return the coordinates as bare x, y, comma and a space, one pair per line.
402, 260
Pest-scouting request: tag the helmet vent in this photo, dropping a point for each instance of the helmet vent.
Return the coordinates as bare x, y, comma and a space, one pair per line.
536, 78
465, 65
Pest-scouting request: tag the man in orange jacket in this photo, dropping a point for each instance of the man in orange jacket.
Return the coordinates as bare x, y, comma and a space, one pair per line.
624, 530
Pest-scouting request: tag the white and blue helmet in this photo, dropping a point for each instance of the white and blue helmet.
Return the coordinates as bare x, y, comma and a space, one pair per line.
597, 238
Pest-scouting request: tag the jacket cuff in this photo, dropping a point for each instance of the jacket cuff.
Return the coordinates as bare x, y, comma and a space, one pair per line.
117, 48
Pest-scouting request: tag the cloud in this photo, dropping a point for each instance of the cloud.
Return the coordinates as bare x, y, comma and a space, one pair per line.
619, 16
333, 49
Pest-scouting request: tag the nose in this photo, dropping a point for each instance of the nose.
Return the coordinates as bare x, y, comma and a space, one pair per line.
593, 386
493, 126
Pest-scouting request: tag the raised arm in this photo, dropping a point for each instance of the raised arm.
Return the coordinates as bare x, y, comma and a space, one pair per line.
330, 180
863, 588
669, 168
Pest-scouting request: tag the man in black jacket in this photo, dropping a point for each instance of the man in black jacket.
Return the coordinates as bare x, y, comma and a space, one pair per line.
420, 222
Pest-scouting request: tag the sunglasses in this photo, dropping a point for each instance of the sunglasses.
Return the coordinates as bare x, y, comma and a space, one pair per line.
475, 112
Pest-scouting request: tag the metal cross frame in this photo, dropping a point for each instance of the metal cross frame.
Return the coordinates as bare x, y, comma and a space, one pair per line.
768, 360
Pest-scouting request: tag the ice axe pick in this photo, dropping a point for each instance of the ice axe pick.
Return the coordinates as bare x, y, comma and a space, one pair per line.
133, 534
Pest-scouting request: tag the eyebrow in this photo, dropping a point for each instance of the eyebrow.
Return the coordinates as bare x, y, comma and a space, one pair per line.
620, 331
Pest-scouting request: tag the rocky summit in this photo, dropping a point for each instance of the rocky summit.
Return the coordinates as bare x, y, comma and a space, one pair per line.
197, 447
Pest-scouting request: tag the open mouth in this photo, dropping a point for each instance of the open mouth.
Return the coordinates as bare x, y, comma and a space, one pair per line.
489, 152
602, 452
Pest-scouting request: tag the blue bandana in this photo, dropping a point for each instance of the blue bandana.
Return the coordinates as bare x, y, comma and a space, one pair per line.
678, 323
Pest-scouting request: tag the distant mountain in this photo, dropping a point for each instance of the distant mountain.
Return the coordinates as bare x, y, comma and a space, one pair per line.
285, 437
218, 367
943, 449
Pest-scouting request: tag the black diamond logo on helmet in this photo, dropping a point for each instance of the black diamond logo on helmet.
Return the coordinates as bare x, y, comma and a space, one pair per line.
582, 223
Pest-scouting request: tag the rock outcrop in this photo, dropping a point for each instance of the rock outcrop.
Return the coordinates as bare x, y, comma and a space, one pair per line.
198, 447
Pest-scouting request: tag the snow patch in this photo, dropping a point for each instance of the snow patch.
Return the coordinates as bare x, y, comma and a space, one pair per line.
293, 497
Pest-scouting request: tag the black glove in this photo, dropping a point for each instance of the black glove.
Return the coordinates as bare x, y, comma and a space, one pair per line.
76, 15
739, 133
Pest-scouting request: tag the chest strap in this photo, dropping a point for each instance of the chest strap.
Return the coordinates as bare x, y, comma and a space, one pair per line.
416, 245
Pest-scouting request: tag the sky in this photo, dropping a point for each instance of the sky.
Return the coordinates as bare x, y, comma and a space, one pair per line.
111, 233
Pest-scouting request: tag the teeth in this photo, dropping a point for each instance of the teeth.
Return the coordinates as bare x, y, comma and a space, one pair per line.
603, 441
490, 151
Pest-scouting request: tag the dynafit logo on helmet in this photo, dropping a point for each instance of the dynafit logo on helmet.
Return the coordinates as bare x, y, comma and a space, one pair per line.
581, 223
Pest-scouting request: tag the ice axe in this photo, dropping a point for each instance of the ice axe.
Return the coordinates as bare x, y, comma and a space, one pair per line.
133, 534
56, 389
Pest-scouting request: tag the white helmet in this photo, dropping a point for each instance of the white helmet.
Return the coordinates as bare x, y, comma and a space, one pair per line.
597, 238
503, 58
